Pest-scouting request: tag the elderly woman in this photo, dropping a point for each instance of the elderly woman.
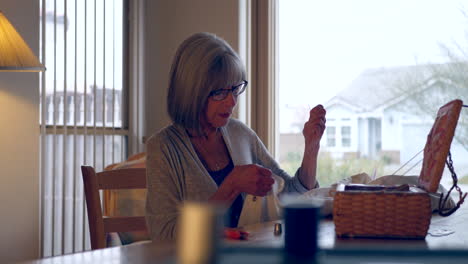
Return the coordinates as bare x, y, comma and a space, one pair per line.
206, 155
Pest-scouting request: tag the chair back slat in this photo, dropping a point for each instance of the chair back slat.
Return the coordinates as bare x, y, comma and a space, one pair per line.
132, 178
122, 179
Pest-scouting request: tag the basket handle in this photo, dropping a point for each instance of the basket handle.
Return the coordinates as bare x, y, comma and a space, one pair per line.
462, 195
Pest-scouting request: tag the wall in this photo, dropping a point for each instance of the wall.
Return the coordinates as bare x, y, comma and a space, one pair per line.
168, 23
19, 144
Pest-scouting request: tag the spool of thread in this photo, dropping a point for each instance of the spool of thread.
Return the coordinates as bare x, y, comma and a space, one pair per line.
301, 229
198, 233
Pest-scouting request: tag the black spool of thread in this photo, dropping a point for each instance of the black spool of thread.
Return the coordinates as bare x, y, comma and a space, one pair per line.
301, 230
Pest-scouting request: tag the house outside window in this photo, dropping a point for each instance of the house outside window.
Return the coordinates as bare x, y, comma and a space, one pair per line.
346, 136
382, 92
331, 137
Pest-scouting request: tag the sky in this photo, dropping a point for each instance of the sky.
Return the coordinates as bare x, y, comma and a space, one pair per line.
113, 10
325, 44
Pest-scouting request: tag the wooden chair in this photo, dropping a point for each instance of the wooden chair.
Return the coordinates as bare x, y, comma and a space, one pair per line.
132, 178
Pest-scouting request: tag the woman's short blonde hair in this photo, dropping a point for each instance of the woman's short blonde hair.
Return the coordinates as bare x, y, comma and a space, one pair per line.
203, 62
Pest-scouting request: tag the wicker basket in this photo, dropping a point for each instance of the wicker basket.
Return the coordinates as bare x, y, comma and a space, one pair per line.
382, 214
399, 214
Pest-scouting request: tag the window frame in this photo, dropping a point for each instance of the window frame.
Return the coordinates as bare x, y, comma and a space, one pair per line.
345, 136
131, 130
331, 135
261, 104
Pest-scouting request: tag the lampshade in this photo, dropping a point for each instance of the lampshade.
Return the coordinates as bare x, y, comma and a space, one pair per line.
15, 54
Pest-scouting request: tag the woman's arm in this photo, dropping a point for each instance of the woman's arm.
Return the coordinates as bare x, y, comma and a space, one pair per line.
251, 179
162, 199
165, 193
305, 177
262, 156
225, 194
313, 131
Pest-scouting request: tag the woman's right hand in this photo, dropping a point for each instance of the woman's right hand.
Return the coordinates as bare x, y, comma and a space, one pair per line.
252, 179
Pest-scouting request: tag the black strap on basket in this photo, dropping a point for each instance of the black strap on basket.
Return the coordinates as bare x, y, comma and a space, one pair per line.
443, 201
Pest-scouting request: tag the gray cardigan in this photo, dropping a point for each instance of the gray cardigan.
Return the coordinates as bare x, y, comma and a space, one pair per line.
176, 174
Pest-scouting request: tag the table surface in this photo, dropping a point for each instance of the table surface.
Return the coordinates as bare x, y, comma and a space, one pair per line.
444, 233
447, 242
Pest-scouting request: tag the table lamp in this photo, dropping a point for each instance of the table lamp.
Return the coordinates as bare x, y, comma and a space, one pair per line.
15, 54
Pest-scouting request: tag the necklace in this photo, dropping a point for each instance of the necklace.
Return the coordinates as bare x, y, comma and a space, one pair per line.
215, 157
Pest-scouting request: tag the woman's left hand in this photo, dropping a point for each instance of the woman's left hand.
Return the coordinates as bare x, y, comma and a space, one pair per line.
313, 131
314, 128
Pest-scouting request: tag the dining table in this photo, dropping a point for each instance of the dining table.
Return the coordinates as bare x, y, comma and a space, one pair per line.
444, 233
446, 242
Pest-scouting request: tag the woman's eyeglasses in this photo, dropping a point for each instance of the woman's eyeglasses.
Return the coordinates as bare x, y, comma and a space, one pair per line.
221, 94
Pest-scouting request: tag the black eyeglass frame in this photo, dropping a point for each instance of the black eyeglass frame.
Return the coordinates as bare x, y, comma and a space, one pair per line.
223, 93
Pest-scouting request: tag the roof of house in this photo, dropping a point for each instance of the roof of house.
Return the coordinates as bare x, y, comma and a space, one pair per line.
377, 87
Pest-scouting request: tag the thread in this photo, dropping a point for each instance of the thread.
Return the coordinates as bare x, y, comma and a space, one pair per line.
198, 234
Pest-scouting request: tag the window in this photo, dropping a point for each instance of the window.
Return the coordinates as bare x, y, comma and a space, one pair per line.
331, 137
83, 110
346, 136
381, 69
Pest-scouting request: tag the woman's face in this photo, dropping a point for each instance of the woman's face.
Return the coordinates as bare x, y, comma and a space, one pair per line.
217, 113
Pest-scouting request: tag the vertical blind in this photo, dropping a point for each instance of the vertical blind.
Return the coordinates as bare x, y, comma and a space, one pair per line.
83, 111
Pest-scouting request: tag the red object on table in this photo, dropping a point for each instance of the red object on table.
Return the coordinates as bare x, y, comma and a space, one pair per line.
236, 234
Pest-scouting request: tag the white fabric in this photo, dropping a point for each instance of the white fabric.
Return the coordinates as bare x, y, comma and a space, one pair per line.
262, 209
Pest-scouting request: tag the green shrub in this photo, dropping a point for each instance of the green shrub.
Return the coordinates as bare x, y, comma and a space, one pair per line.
330, 171
463, 180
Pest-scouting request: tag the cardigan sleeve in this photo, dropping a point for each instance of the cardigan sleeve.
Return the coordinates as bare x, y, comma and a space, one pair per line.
163, 194
291, 184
